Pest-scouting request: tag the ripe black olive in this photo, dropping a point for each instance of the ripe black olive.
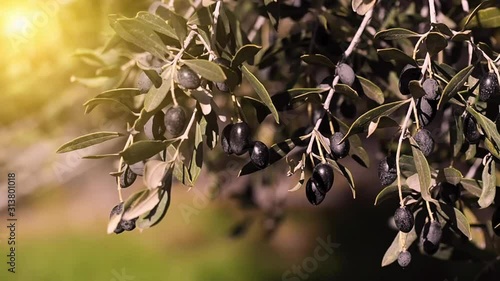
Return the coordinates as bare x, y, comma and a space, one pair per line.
239, 138
404, 258
425, 141
224, 139
449, 193
404, 219
127, 178
387, 171
155, 127
488, 86
314, 196
222, 86
259, 154
431, 88
431, 237
408, 74
187, 78
471, 132
339, 150
175, 120
322, 176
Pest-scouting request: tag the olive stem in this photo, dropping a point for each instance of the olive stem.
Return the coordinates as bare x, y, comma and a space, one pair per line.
415, 114
184, 135
428, 205
256, 26
398, 151
354, 42
323, 160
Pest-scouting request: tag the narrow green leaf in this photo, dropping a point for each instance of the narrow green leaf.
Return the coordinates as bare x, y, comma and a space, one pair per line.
100, 156
157, 24
154, 172
371, 90
246, 53
139, 34
196, 162
156, 96
93, 103
391, 191
261, 91
452, 175
154, 216
361, 124
87, 140
346, 173
179, 25
435, 43
486, 18
207, 69
90, 57
473, 186
202, 17
455, 84
392, 253
142, 150
347, 91
489, 184
423, 171
393, 54
489, 128
143, 205
318, 59
395, 34
456, 218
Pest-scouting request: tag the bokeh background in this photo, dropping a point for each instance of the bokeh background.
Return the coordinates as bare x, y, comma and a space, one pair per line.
63, 201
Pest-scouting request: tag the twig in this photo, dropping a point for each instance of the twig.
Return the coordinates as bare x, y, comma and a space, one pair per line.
256, 27
473, 169
355, 40
398, 151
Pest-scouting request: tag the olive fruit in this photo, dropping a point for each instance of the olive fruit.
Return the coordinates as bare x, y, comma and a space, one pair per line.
387, 171
116, 211
431, 88
449, 193
471, 132
143, 83
426, 111
239, 138
431, 237
425, 141
175, 120
224, 139
137, 168
127, 177
259, 154
128, 225
187, 78
495, 221
222, 86
404, 219
408, 74
314, 196
404, 258
346, 74
155, 126
348, 109
339, 150
488, 85
322, 176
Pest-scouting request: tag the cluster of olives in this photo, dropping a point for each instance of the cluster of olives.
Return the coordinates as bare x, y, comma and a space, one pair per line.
236, 138
322, 177
430, 237
123, 225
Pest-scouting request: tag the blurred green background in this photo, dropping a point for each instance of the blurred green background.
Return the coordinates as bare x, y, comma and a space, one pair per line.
63, 201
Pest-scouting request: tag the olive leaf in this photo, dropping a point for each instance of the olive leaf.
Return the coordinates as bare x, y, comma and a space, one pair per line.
393, 54
395, 34
371, 90
361, 7
454, 85
392, 253
131, 201
100, 156
145, 203
473, 186
156, 96
246, 53
489, 128
261, 91
452, 175
207, 69
157, 24
346, 173
435, 43
475, 11
318, 59
179, 25
485, 18
140, 34
423, 171
456, 218
391, 191
156, 214
154, 172
87, 140
361, 124
489, 184
94, 102
141, 150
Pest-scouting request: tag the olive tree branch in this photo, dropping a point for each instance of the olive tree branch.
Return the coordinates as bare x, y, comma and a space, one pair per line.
256, 27
354, 42
398, 151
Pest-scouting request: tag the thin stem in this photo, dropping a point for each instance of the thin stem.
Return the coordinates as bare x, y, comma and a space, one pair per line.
398, 151
323, 160
256, 27
428, 205
432, 11
355, 40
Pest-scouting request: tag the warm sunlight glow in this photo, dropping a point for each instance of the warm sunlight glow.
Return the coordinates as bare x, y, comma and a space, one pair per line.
15, 24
